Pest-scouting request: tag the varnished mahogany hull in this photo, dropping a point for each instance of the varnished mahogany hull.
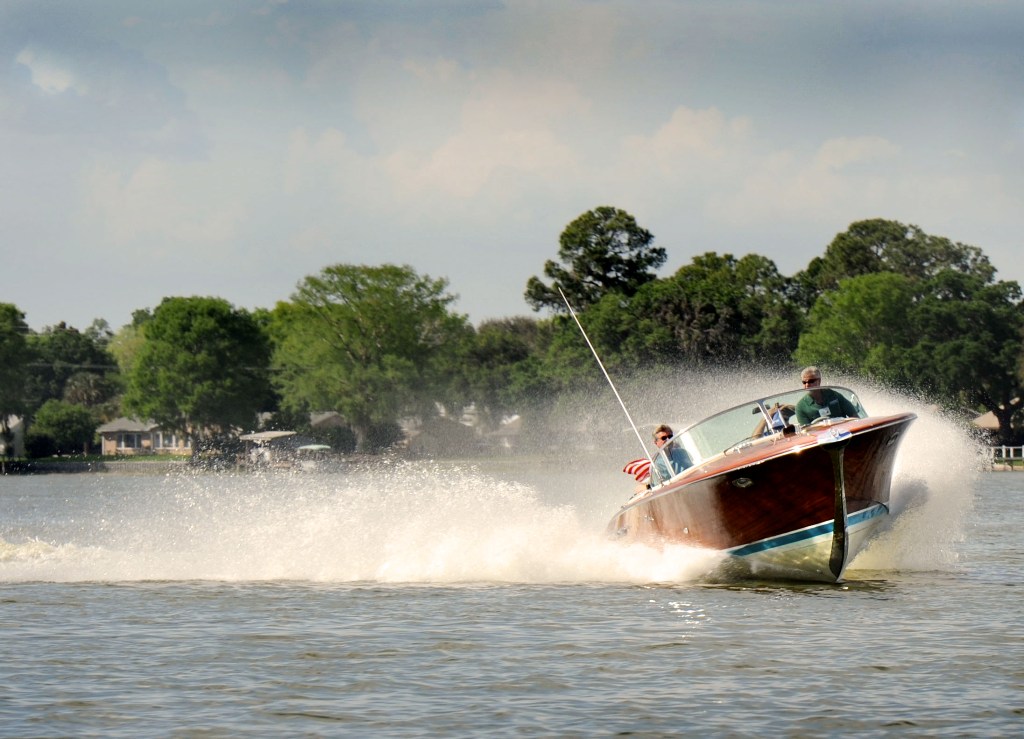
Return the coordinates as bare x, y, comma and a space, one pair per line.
796, 506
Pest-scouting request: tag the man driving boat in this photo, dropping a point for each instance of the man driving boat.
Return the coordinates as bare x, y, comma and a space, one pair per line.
820, 402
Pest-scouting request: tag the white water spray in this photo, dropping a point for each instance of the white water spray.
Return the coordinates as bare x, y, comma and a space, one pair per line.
534, 519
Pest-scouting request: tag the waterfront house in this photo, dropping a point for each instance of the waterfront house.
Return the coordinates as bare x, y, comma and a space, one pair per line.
128, 436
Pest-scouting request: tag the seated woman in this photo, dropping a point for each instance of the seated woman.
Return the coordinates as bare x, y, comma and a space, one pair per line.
671, 459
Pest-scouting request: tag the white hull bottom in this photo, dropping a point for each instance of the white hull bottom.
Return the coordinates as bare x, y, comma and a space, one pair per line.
804, 554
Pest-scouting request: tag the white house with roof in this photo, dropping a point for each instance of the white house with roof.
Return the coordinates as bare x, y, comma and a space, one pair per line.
128, 436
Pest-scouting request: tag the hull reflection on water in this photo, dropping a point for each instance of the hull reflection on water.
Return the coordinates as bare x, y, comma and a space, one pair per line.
784, 501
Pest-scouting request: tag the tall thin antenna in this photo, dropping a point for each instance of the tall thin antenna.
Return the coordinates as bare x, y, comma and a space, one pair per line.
607, 376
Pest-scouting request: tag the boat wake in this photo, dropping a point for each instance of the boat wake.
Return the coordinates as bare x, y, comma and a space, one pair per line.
408, 523
491, 521
934, 481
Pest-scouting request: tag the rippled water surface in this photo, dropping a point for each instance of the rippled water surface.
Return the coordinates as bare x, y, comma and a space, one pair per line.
442, 599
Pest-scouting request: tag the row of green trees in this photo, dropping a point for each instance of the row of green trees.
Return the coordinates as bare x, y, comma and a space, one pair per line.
379, 343
886, 301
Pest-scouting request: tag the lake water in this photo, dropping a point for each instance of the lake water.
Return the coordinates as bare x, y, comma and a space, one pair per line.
441, 599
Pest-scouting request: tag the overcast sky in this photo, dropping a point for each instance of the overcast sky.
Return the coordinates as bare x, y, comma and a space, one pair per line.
231, 148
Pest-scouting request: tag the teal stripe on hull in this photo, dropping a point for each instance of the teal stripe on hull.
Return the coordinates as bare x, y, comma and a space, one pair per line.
812, 532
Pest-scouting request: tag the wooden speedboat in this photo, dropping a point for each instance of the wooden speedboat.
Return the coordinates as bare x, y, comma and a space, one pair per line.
782, 500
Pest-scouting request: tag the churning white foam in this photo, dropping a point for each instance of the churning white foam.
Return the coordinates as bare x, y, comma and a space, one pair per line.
407, 523
522, 520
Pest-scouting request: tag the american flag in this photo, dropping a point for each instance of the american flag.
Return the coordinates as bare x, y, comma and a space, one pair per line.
638, 468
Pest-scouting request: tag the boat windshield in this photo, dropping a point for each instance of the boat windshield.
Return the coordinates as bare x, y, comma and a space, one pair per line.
741, 426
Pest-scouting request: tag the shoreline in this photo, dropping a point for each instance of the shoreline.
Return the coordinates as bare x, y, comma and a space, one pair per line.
1005, 468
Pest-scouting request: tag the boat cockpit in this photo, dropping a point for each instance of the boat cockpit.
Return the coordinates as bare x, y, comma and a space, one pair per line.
745, 425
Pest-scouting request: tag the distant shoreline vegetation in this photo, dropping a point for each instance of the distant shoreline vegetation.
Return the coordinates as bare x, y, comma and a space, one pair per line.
381, 347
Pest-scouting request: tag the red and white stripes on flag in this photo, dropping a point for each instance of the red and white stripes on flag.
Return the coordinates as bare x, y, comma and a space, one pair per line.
638, 468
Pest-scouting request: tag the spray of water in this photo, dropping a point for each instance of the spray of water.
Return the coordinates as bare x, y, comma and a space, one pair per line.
537, 519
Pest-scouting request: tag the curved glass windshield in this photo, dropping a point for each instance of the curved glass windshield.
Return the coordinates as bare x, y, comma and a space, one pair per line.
741, 426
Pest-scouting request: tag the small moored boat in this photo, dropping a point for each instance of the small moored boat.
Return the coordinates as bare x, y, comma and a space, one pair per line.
783, 500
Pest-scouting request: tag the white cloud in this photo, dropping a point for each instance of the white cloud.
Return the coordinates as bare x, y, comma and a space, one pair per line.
508, 129
692, 150
169, 210
48, 73
842, 178
323, 161
507, 125
439, 71
836, 154
688, 135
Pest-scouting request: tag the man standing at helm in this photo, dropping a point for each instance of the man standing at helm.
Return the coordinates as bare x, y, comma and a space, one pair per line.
821, 402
